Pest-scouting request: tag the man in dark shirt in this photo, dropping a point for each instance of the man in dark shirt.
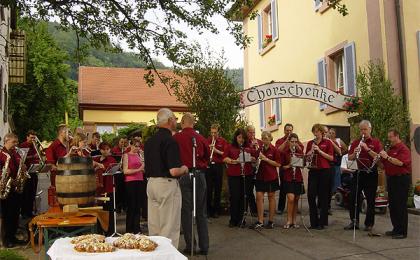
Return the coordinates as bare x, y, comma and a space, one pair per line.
202, 155
163, 167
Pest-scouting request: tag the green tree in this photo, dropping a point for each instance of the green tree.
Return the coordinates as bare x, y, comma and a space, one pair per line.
209, 93
380, 105
42, 102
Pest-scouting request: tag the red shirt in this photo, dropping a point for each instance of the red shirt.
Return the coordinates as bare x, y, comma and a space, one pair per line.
286, 156
13, 162
54, 151
32, 156
184, 140
365, 160
220, 145
233, 153
255, 144
325, 146
105, 182
401, 152
116, 151
267, 172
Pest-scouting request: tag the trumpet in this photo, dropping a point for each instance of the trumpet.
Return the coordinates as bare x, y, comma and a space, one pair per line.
39, 150
213, 142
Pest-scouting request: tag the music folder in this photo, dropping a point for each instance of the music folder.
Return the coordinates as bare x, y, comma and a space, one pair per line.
114, 168
39, 168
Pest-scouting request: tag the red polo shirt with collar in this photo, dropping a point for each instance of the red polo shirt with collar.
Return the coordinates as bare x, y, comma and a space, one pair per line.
220, 144
184, 140
267, 172
365, 160
325, 146
401, 152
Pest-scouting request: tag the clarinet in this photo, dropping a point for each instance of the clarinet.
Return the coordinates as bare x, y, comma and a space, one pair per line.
293, 149
377, 158
359, 147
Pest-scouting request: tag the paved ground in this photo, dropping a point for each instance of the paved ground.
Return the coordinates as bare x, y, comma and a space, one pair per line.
332, 243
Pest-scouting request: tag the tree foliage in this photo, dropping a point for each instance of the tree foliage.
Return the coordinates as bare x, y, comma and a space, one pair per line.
380, 105
41, 103
209, 93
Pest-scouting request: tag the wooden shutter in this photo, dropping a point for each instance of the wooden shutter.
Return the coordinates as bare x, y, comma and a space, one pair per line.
5, 109
274, 26
262, 116
418, 44
321, 78
350, 69
278, 110
260, 31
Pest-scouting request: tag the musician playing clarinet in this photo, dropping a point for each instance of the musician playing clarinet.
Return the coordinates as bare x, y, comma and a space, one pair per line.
214, 174
292, 180
319, 154
397, 164
267, 180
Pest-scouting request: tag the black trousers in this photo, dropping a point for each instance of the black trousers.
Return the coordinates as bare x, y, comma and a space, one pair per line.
120, 191
134, 190
368, 183
282, 194
28, 195
10, 208
397, 195
108, 206
318, 189
236, 196
201, 207
214, 180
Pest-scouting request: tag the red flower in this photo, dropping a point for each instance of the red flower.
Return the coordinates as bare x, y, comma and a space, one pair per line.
268, 36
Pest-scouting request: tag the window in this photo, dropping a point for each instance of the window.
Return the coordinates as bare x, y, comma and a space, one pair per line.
339, 72
270, 113
102, 129
267, 26
5, 106
318, 4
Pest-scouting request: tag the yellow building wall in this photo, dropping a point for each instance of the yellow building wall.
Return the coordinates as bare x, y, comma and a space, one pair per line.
304, 37
120, 117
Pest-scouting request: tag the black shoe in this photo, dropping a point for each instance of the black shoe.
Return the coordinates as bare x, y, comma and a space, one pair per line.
269, 225
368, 228
390, 233
320, 228
203, 252
351, 226
399, 236
313, 227
257, 225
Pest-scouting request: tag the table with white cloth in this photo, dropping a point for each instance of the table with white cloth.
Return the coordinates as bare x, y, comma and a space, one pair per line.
62, 249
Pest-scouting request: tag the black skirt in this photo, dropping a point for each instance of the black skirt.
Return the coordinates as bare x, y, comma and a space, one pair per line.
267, 186
296, 188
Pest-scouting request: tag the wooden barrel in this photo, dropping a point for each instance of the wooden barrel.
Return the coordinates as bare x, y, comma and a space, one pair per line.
75, 181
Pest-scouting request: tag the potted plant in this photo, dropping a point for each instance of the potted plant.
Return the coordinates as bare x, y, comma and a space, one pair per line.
271, 120
268, 38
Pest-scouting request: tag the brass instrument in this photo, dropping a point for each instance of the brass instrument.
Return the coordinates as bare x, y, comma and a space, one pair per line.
213, 143
39, 150
22, 174
6, 180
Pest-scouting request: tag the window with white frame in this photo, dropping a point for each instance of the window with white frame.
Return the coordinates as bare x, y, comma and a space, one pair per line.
102, 129
267, 25
270, 113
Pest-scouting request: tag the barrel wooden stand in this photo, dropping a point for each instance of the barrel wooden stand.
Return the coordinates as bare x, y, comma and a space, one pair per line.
75, 181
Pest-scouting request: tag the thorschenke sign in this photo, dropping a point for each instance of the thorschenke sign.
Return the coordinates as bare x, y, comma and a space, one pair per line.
261, 93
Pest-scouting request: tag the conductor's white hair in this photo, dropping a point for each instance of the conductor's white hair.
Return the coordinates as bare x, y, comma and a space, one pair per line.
163, 115
365, 122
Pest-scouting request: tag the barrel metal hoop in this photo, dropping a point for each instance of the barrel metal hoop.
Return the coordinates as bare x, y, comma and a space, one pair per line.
75, 172
76, 194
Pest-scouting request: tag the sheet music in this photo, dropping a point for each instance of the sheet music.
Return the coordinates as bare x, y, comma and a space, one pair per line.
247, 157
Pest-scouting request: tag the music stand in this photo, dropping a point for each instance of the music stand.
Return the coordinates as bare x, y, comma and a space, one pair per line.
112, 170
244, 157
39, 168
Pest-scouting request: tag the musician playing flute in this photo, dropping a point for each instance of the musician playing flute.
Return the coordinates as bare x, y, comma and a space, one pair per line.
214, 174
10, 205
365, 179
292, 180
320, 153
397, 164
267, 180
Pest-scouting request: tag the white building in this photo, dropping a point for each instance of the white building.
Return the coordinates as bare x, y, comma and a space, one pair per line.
4, 70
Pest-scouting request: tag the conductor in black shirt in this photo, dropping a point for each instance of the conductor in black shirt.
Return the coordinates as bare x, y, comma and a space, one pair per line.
163, 167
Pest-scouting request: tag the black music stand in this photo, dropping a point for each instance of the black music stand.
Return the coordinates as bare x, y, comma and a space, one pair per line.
112, 170
193, 181
244, 160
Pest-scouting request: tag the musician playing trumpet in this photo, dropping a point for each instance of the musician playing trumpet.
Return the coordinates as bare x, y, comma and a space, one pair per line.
365, 179
321, 153
79, 147
267, 180
214, 174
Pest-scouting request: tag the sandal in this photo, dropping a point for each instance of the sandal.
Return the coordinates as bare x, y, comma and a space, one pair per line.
287, 226
296, 226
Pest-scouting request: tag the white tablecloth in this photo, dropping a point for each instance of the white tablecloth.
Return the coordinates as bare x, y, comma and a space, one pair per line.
62, 249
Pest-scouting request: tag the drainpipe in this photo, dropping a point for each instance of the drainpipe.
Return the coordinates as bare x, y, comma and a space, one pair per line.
401, 51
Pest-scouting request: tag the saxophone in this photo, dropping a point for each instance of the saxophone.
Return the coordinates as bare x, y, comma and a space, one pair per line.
22, 175
5, 181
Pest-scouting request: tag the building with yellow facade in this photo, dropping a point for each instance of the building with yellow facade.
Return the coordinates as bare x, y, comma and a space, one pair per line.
308, 41
112, 98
